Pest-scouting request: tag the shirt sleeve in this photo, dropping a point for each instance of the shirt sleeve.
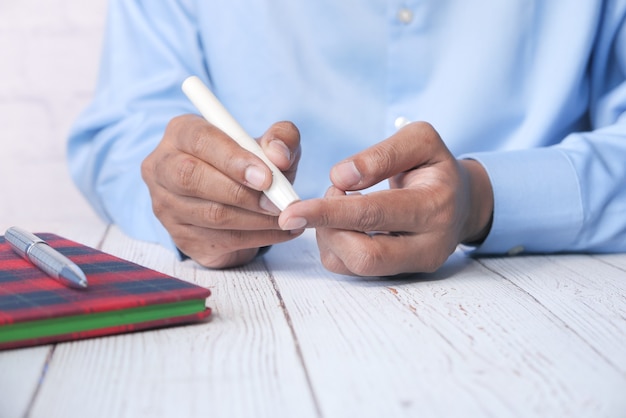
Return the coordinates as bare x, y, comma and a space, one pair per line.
570, 196
149, 49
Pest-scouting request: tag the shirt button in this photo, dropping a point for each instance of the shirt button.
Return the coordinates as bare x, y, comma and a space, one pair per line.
516, 250
405, 16
401, 122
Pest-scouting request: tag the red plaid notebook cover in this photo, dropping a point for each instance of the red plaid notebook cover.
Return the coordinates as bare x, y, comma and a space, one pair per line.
28, 294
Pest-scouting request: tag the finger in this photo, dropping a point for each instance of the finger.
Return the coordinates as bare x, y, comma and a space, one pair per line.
387, 210
355, 253
219, 249
328, 258
196, 137
412, 146
173, 209
281, 144
192, 177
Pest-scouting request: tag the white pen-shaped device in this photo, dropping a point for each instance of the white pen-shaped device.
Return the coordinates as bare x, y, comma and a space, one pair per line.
281, 192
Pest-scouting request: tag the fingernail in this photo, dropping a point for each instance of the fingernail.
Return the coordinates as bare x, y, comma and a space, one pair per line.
346, 174
255, 177
268, 206
279, 148
294, 223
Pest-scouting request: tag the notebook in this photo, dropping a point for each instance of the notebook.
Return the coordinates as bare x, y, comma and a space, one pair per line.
122, 297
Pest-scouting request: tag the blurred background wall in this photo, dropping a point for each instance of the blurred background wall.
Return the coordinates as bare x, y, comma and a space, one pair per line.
49, 57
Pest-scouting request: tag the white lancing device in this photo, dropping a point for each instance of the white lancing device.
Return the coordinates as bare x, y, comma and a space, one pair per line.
281, 192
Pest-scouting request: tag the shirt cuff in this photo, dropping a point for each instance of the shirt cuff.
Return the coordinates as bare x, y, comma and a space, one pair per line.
537, 201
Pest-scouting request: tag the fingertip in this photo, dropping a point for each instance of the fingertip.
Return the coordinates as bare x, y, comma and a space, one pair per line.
293, 223
287, 137
290, 219
334, 191
279, 153
346, 175
257, 177
266, 204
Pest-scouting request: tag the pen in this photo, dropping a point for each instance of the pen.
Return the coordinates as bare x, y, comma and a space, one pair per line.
281, 192
42, 255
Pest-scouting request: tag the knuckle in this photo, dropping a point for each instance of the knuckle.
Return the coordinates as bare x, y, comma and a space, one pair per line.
231, 259
176, 126
440, 211
233, 167
158, 207
179, 120
289, 133
186, 177
383, 159
215, 214
325, 218
423, 126
176, 123
237, 194
238, 239
431, 264
216, 261
197, 140
146, 168
421, 129
161, 206
331, 262
364, 262
432, 259
213, 251
289, 128
371, 217
210, 255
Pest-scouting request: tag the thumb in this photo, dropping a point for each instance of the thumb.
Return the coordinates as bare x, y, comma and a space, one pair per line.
281, 144
414, 145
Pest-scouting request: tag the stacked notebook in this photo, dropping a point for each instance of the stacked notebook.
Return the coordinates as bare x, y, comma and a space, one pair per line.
121, 297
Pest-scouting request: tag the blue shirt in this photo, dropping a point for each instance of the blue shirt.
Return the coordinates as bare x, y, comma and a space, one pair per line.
534, 90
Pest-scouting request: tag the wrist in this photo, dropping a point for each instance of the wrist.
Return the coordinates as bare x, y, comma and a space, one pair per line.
481, 203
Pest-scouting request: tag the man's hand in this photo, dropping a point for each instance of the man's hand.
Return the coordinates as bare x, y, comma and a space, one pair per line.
434, 203
207, 190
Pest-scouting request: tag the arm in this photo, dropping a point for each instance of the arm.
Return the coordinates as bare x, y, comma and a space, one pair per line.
572, 196
176, 180
138, 92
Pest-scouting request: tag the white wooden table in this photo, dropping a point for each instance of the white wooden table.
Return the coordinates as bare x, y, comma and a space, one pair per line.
499, 337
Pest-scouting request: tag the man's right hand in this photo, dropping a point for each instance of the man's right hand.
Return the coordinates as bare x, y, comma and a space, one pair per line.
207, 190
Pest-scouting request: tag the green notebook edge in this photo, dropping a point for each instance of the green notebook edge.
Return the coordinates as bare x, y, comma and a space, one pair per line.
87, 322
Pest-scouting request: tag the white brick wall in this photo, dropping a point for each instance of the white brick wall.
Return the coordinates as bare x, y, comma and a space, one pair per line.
49, 57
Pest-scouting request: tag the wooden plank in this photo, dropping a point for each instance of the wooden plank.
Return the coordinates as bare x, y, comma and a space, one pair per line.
616, 260
21, 371
586, 293
242, 363
461, 342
